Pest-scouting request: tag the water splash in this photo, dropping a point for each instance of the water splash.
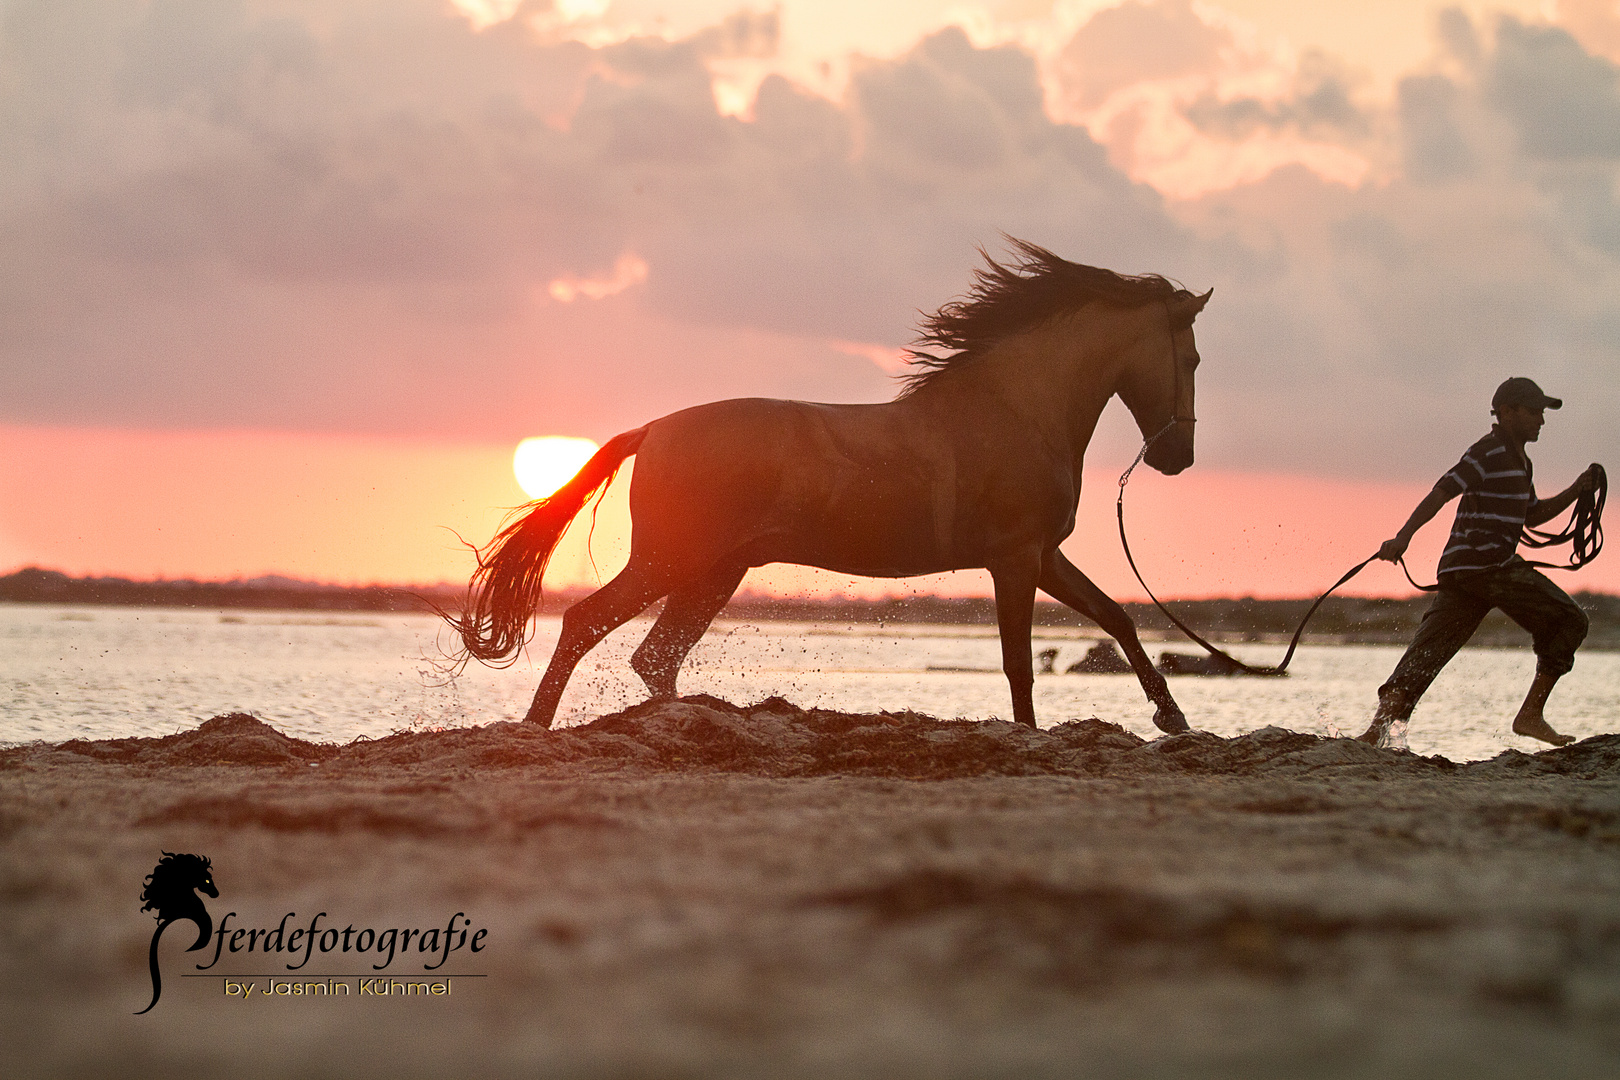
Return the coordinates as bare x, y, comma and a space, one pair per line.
1323, 718
1394, 737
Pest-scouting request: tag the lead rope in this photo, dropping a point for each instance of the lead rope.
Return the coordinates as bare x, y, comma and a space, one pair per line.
1585, 529
1119, 513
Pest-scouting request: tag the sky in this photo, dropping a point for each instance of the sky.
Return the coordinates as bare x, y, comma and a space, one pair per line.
284, 283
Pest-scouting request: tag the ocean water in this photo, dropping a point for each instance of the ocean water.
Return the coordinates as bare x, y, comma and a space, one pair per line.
103, 672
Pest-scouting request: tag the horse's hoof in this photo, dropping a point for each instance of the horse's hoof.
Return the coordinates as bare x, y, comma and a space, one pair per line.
1170, 720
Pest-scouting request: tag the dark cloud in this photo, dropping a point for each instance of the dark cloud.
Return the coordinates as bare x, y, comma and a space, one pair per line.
1458, 38
842, 222
205, 55
1563, 102
1433, 144
742, 34
1319, 104
1564, 106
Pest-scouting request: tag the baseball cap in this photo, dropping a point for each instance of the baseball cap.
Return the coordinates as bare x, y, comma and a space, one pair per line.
1524, 393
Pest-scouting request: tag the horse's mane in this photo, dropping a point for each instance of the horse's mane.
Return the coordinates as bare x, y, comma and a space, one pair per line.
171, 881
1009, 298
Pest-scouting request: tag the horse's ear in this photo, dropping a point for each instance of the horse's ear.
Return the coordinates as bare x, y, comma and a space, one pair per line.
1187, 307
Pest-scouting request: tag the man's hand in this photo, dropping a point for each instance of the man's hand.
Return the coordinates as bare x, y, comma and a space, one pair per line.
1395, 546
1587, 482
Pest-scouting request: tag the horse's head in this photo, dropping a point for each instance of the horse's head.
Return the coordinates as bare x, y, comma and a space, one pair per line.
1158, 383
169, 886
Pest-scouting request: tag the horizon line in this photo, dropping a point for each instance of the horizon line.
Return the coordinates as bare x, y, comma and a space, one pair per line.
271, 581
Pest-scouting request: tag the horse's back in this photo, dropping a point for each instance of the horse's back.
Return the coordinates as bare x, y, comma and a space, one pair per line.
754, 436
778, 480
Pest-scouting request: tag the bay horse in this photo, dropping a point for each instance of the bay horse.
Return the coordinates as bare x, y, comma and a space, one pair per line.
976, 463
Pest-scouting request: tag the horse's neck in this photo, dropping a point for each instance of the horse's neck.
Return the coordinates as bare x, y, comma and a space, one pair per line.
1056, 378
181, 902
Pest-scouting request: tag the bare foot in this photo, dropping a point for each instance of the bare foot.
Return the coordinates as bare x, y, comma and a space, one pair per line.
1538, 728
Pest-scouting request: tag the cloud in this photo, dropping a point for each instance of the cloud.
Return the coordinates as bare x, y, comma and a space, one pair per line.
1489, 253
1192, 100
1564, 103
841, 220
1121, 47
1433, 145
628, 270
1318, 103
237, 218
366, 217
1595, 23
889, 360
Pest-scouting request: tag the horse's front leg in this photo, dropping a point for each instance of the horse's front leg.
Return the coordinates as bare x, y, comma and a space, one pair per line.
1064, 582
1015, 580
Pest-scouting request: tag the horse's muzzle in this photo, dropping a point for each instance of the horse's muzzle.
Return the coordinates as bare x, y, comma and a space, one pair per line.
1173, 452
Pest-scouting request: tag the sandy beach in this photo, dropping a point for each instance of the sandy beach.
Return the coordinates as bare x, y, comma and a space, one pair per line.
695, 889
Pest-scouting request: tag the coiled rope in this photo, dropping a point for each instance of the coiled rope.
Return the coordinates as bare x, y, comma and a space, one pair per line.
1584, 531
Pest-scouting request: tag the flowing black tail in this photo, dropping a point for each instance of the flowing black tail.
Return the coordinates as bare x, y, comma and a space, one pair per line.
505, 589
157, 979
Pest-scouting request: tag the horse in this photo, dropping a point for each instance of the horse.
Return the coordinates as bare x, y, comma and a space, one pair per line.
976, 463
169, 889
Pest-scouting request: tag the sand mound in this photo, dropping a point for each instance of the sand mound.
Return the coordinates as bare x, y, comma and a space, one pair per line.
232, 739
778, 739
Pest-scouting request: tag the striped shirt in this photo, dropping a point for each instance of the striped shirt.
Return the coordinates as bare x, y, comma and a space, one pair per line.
1497, 493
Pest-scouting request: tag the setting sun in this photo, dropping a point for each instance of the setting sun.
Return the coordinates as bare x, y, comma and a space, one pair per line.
542, 465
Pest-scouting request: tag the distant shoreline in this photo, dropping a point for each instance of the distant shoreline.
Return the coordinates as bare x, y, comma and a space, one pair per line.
1341, 620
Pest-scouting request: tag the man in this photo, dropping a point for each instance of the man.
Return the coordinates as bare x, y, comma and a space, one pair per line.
1480, 568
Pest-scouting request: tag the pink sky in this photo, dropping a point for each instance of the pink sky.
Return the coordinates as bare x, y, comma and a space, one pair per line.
285, 282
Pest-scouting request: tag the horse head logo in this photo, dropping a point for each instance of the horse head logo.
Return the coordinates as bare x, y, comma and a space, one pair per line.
170, 889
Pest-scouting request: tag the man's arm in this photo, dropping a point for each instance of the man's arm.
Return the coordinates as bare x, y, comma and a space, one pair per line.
1396, 545
1545, 510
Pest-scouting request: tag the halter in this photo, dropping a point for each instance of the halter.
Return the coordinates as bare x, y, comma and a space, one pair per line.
1175, 404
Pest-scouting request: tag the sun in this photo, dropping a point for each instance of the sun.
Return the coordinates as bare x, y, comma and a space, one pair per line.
545, 464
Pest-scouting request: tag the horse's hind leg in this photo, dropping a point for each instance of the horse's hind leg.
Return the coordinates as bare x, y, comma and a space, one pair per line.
1064, 582
587, 623
685, 617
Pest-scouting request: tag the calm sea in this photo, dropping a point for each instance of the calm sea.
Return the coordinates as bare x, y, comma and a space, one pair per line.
94, 672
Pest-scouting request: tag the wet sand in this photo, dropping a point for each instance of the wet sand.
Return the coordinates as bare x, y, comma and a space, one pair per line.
695, 890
